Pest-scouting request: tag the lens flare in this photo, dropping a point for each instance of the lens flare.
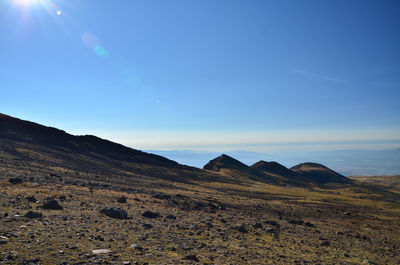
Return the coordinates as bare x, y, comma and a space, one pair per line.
100, 51
93, 43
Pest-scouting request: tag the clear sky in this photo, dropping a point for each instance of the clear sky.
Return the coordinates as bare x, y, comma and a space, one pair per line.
193, 74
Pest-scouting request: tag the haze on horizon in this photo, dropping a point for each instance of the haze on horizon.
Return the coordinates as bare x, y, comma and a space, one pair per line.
207, 75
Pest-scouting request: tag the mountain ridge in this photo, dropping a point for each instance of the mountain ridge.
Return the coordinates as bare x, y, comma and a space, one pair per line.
88, 152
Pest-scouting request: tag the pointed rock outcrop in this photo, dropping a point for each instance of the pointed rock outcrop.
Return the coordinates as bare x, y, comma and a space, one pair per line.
225, 161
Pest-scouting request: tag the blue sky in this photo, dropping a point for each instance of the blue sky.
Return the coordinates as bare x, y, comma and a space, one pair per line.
223, 74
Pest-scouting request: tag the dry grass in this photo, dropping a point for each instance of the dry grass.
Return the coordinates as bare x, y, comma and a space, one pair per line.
357, 229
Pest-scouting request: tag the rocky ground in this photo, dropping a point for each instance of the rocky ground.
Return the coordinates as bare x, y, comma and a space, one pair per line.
52, 220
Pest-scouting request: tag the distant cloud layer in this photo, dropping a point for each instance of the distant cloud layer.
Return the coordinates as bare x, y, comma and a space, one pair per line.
346, 162
259, 141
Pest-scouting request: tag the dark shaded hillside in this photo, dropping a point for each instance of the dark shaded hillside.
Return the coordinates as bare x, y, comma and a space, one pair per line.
33, 133
27, 146
319, 173
276, 169
277, 173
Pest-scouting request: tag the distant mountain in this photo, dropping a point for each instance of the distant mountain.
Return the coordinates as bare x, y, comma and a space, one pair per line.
319, 173
271, 167
275, 173
225, 161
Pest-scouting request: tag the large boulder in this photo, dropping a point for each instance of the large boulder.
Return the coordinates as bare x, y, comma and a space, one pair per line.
149, 214
52, 205
31, 199
115, 212
32, 214
15, 180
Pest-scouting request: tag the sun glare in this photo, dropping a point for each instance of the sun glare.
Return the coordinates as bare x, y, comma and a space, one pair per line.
27, 2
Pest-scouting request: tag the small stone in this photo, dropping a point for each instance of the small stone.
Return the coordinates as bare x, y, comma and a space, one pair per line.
309, 224
101, 251
192, 257
366, 261
170, 216
296, 222
137, 247
31, 199
15, 180
147, 226
3, 240
257, 225
241, 228
121, 199
325, 243
274, 223
149, 214
32, 214
162, 196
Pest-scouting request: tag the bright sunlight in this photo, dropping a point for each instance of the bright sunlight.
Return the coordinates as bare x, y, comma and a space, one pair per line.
27, 2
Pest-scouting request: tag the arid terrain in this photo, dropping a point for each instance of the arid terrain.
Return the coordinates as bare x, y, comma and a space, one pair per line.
83, 200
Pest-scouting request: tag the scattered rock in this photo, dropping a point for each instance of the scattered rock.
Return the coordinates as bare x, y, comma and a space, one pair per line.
192, 257
32, 214
296, 222
274, 223
366, 261
101, 251
31, 199
162, 196
121, 199
15, 180
242, 228
309, 224
32, 261
3, 240
258, 225
147, 226
271, 230
149, 214
324, 242
115, 212
212, 206
199, 206
137, 247
170, 216
52, 205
